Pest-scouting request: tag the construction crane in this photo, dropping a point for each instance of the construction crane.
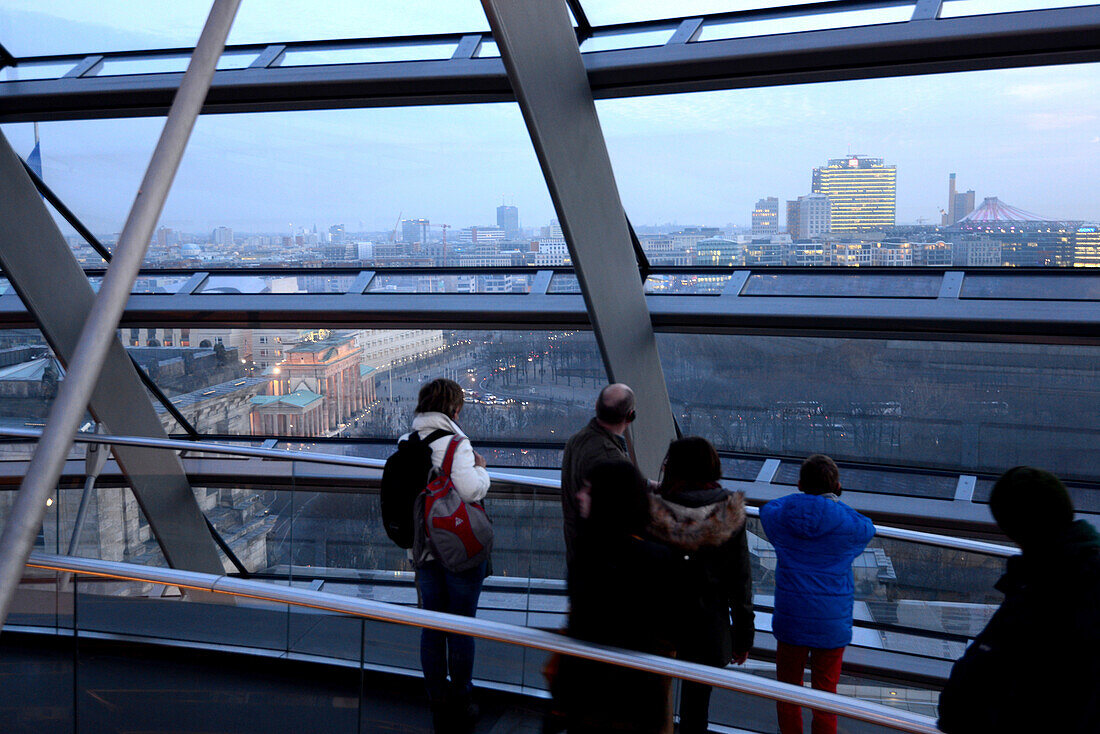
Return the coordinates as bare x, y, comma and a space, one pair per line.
393, 236
445, 228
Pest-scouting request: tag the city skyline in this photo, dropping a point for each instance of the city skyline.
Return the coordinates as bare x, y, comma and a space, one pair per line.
1027, 136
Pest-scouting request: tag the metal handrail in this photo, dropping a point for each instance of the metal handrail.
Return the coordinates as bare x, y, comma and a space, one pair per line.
496, 631
881, 531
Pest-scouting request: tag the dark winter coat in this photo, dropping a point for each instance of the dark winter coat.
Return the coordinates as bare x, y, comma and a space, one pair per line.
1036, 665
816, 538
711, 576
586, 448
618, 596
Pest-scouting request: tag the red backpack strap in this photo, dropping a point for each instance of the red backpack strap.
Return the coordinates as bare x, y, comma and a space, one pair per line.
448, 458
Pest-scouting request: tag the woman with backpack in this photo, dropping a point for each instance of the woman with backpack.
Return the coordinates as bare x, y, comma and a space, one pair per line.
704, 525
439, 588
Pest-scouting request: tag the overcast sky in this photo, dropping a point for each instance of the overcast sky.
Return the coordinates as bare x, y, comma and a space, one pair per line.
1029, 136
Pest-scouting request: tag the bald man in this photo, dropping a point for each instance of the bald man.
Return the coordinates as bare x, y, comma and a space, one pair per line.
603, 439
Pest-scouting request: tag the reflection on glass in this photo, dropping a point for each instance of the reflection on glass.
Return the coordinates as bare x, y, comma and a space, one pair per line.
502, 283
1085, 498
161, 285
745, 470
615, 41
375, 54
276, 284
169, 64
844, 284
488, 49
822, 21
27, 72
957, 8
564, 284
695, 285
924, 404
1031, 287
881, 481
609, 12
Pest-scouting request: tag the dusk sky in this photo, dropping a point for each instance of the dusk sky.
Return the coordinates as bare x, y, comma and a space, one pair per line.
1028, 136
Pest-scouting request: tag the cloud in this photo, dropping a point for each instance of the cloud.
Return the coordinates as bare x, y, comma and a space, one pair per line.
1057, 120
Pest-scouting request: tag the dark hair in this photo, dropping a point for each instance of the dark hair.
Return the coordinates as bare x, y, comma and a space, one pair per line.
611, 410
440, 396
819, 475
690, 462
620, 499
1030, 505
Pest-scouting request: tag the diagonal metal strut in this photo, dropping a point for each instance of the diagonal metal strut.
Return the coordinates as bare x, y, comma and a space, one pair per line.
98, 334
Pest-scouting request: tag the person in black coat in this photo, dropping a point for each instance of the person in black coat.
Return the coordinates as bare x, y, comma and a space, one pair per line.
618, 596
1036, 665
704, 526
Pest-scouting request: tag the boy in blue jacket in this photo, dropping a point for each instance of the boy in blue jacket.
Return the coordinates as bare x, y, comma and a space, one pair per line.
816, 538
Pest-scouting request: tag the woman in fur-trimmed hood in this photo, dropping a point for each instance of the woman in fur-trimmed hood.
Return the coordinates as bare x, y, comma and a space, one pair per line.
704, 525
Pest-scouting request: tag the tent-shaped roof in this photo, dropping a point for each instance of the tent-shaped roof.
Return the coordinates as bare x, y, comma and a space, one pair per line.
994, 210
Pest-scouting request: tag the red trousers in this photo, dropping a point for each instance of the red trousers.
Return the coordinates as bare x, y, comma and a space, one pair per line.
790, 661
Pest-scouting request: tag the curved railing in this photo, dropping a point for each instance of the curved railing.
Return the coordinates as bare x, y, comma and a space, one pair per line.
881, 531
497, 631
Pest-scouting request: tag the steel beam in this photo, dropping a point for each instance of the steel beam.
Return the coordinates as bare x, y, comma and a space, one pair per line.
1003, 40
55, 297
944, 318
927, 9
540, 51
98, 341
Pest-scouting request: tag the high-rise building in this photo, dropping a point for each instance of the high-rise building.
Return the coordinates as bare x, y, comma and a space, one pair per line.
792, 218
336, 233
223, 236
808, 217
1086, 246
414, 230
862, 193
959, 205
765, 217
508, 220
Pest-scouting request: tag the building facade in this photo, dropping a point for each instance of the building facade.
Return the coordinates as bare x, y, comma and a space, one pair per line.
765, 217
862, 193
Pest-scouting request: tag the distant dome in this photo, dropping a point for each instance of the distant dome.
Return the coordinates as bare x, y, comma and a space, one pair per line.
191, 250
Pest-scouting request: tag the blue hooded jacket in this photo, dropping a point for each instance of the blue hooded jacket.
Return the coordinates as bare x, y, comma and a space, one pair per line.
816, 538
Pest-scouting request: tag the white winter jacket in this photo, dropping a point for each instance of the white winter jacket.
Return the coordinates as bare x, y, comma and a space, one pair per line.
471, 482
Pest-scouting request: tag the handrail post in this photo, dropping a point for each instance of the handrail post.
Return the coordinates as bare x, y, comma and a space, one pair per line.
102, 322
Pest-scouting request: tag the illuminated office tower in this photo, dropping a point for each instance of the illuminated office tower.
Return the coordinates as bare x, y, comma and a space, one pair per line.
765, 217
862, 193
1086, 246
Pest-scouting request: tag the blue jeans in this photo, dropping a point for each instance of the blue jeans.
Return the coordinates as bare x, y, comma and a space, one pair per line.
440, 652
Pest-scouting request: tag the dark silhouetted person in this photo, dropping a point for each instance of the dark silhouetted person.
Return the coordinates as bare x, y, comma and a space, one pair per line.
603, 439
619, 596
816, 538
1036, 665
704, 526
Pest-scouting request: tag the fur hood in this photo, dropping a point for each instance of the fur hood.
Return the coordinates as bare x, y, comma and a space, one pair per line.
692, 528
